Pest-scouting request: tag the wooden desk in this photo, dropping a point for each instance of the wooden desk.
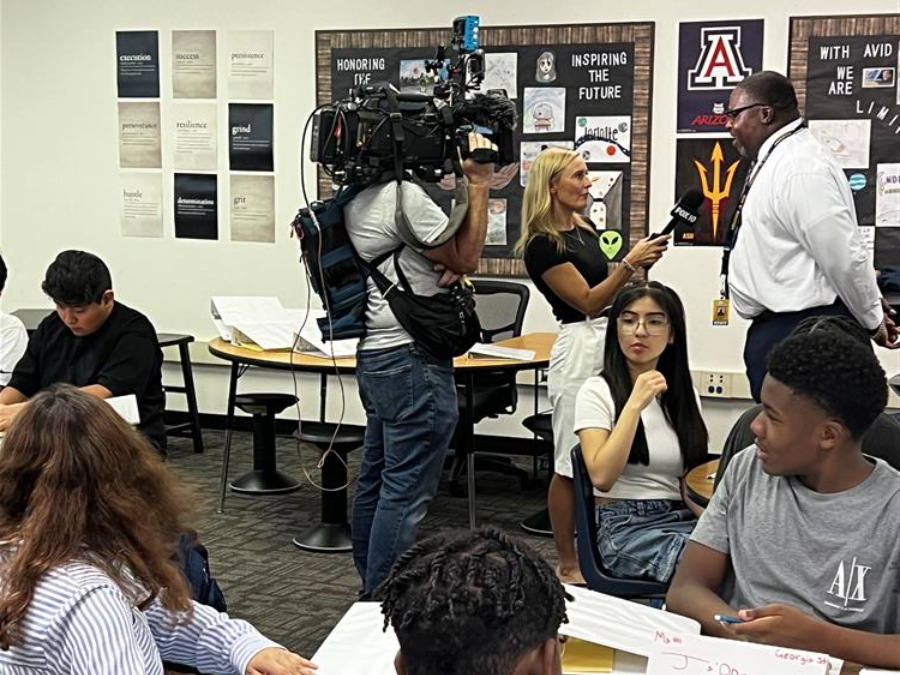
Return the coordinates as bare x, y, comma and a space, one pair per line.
241, 358
699, 482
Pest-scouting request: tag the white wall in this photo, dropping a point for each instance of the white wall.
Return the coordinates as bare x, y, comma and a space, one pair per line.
60, 158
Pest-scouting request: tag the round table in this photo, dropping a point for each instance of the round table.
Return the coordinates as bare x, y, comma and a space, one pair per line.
242, 357
699, 482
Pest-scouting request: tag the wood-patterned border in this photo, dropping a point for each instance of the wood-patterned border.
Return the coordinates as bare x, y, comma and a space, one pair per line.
805, 27
641, 34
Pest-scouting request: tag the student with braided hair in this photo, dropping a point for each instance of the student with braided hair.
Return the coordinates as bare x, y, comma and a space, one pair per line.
479, 603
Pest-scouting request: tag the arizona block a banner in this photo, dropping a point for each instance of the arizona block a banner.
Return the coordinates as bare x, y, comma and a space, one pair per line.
713, 57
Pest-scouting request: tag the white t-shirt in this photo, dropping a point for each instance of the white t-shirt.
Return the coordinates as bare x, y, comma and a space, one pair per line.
13, 342
595, 409
373, 231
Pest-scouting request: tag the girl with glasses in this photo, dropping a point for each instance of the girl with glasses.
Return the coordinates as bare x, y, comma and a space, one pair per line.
562, 254
640, 429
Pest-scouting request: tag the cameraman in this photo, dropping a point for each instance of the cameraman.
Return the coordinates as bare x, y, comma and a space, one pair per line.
409, 396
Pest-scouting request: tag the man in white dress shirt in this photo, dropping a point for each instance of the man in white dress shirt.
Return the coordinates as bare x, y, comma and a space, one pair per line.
797, 251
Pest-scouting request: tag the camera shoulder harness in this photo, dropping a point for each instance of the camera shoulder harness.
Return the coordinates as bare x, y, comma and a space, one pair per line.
461, 194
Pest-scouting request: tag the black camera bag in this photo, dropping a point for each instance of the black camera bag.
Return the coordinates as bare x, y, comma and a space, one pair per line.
444, 324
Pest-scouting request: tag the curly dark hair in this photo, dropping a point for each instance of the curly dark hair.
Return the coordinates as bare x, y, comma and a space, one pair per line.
76, 278
834, 324
836, 372
78, 483
471, 602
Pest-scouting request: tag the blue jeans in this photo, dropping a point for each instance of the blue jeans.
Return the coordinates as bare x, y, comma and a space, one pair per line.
411, 412
643, 538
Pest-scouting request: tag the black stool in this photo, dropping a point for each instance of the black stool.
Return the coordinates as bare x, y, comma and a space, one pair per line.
264, 478
332, 534
190, 428
542, 427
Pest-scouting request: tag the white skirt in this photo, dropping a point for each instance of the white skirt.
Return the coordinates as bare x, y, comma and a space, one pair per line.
577, 354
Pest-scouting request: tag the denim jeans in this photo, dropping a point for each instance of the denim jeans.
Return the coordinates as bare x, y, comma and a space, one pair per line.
411, 413
643, 538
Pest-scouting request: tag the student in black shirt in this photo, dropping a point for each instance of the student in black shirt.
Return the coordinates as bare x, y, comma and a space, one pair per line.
92, 342
564, 260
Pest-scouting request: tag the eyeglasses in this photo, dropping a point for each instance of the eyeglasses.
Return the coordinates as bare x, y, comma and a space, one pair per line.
653, 326
733, 114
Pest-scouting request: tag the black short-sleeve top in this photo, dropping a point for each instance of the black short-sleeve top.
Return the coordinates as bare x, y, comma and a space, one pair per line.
582, 250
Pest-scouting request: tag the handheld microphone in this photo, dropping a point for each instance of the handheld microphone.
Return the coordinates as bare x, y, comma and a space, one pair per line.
686, 211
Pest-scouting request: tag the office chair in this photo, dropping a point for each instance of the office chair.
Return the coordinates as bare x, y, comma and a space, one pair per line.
501, 309
598, 578
882, 440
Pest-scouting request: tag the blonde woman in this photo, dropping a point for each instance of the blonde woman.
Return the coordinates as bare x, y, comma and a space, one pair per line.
564, 260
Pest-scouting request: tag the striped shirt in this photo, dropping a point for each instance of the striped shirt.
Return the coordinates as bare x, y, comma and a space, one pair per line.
80, 622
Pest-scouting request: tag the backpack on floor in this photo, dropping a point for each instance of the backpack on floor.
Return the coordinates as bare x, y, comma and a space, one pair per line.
194, 560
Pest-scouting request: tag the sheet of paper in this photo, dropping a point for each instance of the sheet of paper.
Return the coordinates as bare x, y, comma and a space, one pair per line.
139, 135
140, 210
127, 407
251, 65
618, 623
253, 208
194, 63
700, 655
235, 309
585, 658
194, 129
309, 341
357, 644
483, 350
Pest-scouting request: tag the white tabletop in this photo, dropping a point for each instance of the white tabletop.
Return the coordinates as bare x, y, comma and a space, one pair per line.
358, 646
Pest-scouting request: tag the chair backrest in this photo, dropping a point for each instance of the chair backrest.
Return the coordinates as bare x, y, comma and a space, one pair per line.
592, 568
882, 440
501, 308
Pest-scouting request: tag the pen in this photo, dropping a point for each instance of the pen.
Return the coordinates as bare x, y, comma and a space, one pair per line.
724, 618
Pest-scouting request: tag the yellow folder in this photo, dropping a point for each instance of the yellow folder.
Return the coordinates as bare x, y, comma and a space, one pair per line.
580, 656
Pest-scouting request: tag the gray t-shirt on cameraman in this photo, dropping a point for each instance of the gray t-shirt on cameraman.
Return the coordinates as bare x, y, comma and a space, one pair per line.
370, 223
833, 556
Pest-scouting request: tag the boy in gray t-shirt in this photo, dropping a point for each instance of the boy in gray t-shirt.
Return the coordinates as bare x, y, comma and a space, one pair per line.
802, 538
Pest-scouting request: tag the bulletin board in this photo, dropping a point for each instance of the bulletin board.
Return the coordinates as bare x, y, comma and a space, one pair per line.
570, 83
845, 70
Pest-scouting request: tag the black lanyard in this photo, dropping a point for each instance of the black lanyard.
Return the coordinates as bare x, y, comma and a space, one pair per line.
735, 225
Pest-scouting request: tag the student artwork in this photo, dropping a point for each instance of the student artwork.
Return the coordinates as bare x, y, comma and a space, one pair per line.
887, 196
605, 208
849, 140
544, 110
603, 140
417, 78
529, 150
496, 229
545, 71
500, 70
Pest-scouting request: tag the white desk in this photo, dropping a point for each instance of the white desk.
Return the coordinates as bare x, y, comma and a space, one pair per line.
358, 646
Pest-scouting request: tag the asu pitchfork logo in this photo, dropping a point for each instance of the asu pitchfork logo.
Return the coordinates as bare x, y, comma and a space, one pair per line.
721, 63
715, 192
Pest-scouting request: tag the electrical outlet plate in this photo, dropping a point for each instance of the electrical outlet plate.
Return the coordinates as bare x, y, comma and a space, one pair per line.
715, 385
